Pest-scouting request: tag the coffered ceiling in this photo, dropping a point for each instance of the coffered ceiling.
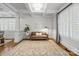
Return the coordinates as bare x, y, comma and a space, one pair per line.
24, 9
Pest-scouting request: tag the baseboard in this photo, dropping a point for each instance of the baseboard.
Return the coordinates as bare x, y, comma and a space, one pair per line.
26, 39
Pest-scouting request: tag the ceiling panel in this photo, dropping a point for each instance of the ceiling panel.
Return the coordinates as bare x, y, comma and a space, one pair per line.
5, 11
53, 7
3, 8
22, 8
18, 6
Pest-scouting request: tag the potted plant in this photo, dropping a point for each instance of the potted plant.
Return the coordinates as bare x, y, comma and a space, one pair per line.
27, 29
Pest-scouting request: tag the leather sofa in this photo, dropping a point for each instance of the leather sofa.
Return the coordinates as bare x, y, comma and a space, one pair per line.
38, 35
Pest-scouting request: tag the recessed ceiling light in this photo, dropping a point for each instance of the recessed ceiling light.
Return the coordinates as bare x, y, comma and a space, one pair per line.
37, 7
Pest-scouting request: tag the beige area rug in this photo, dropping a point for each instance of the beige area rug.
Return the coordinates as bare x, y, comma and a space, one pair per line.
36, 48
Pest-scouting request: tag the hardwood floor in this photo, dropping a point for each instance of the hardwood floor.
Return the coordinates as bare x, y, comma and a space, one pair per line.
71, 53
66, 49
8, 46
53, 46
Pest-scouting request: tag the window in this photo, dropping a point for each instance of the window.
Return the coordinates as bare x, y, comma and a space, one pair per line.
68, 21
7, 24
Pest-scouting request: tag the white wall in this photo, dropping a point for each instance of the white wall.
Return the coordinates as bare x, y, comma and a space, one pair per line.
38, 23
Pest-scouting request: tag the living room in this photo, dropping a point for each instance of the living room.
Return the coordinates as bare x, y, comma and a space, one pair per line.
39, 28
16, 17
37, 21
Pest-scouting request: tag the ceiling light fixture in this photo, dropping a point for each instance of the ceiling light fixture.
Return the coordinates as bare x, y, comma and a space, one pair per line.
37, 7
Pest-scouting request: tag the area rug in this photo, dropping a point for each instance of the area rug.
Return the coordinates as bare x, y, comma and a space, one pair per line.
36, 48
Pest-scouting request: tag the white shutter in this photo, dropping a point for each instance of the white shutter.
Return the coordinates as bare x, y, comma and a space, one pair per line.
68, 21
7, 24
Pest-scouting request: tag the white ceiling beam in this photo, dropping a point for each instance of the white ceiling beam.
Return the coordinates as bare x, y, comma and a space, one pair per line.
11, 7
27, 7
7, 12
